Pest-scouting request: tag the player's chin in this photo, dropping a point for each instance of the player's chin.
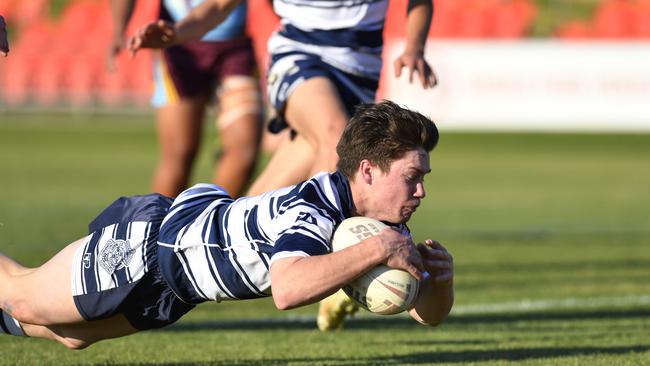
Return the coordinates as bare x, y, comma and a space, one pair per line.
406, 215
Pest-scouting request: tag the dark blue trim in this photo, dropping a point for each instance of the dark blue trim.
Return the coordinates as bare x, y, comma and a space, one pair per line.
354, 39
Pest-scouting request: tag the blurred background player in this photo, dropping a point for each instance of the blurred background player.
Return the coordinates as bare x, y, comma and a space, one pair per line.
4, 43
216, 70
324, 62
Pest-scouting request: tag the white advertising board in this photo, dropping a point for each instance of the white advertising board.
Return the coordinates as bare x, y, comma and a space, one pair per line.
530, 85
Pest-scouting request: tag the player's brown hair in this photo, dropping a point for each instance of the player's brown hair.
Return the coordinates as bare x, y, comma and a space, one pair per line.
382, 133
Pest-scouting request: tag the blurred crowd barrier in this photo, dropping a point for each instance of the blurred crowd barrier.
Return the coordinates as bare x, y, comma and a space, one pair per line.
61, 61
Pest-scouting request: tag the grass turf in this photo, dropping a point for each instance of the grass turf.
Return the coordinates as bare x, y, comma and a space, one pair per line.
549, 233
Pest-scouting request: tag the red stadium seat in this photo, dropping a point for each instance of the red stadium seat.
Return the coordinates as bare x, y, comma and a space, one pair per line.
30, 12
18, 73
576, 29
6, 8
514, 18
476, 20
642, 19
614, 19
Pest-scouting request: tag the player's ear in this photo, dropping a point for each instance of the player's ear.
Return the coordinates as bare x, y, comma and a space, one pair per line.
365, 171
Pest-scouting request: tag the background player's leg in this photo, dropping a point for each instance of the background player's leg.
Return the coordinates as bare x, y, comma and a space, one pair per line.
179, 128
239, 124
290, 164
316, 112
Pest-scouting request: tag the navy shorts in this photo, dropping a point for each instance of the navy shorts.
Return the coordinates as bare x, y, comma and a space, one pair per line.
288, 70
115, 270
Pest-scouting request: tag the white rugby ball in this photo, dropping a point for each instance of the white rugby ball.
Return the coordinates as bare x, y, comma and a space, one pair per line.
381, 290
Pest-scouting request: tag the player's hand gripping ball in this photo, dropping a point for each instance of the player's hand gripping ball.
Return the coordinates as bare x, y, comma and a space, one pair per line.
381, 290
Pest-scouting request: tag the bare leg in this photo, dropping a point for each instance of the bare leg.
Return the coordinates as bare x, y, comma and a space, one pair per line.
43, 295
82, 335
179, 128
316, 112
41, 300
239, 124
290, 164
11, 267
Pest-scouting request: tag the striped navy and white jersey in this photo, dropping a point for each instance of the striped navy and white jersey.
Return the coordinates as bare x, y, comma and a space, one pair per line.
214, 248
346, 34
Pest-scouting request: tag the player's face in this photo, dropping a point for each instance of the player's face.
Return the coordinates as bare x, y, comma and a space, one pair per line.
397, 193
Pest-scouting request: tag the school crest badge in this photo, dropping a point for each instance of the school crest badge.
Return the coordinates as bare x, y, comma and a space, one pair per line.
116, 255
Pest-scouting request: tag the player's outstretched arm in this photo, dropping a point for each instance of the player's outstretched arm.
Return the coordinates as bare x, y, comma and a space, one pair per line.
196, 23
4, 43
299, 281
121, 12
418, 22
437, 288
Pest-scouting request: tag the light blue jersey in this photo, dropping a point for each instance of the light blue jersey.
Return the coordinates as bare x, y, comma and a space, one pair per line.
232, 27
214, 248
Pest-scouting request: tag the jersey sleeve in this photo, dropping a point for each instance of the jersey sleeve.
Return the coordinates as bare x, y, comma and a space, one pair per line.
302, 232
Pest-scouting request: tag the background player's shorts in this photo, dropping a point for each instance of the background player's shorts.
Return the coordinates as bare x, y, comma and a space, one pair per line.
116, 269
199, 67
288, 70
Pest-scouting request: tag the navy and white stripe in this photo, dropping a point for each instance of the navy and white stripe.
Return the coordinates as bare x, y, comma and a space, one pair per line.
332, 14
90, 276
214, 248
337, 39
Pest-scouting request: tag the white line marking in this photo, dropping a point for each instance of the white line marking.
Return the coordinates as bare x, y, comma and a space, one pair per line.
522, 306
530, 305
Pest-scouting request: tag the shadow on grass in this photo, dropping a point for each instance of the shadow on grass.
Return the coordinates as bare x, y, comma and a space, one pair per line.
377, 322
430, 358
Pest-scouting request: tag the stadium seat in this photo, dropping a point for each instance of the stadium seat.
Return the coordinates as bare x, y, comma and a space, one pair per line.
29, 12
642, 19
574, 30
513, 19
17, 73
6, 8
614, 19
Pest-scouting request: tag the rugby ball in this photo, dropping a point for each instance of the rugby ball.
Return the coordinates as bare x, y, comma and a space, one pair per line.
381, 290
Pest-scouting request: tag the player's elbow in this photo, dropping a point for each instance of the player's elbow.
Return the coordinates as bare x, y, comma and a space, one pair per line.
433, 321
283, 300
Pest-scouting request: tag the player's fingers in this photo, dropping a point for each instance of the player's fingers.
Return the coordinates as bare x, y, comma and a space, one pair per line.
434, 244
414, 271
433, 78
397, 65
412, 70
438, 264
134, 45
443, 277
422, 74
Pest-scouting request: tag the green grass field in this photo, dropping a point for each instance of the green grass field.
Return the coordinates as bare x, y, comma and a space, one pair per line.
550, 235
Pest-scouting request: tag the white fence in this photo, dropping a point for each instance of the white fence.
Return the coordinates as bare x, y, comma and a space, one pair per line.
531, 85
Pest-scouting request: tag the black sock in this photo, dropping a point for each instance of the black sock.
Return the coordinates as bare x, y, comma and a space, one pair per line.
9, 325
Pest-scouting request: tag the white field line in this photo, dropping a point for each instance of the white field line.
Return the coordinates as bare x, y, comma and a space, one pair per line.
529, 305
523, 306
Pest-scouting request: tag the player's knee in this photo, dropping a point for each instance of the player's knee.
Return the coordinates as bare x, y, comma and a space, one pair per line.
21, 311
245, 154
